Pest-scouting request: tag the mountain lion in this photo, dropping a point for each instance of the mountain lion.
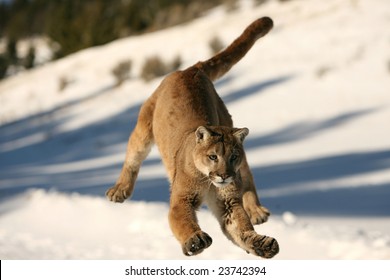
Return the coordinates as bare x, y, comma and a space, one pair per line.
202, 152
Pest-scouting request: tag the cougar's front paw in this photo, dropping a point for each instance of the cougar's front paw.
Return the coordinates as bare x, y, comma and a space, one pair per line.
265, 246
118, 193
197, 243
258, 214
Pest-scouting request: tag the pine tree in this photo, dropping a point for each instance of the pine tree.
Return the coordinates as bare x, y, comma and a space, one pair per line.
12, 53
30, 58
3, 66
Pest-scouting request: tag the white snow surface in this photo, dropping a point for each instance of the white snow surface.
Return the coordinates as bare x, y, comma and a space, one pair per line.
314, 93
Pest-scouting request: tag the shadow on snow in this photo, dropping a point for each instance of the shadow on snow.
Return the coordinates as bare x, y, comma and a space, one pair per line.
23, 167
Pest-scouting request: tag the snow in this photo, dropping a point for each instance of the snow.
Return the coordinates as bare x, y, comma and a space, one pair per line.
314, 94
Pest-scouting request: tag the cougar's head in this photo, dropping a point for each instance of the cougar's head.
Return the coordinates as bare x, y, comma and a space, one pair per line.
219, 152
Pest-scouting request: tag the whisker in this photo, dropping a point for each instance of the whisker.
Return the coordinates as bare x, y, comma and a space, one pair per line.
204, 179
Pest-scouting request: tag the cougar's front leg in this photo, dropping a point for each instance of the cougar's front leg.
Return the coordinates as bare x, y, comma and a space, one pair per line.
184, 224
138, 147
236, 225
257, 213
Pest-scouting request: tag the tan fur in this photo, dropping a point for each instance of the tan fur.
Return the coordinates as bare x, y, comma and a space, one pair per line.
202, 152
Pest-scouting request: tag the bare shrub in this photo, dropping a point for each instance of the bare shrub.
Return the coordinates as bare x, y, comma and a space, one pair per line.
176, 63
231, 5
215, 45
323, 71
63, 83
121, 72
154, 67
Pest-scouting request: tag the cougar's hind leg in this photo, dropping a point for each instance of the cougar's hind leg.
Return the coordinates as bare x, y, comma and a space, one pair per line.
257, 213
138, 147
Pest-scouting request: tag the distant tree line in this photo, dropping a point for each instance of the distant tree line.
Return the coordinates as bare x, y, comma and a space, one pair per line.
74, 25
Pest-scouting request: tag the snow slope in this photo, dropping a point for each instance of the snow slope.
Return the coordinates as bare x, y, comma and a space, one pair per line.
314, 94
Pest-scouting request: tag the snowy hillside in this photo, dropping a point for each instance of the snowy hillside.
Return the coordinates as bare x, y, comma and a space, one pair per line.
315, 94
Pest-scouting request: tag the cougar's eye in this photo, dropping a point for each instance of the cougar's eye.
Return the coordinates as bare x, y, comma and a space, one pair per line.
234, 157
213, 157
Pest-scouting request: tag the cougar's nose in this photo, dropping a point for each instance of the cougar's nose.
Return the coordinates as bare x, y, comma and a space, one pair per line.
224, 176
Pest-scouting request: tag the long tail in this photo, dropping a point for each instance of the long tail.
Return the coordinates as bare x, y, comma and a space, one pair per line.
222, 62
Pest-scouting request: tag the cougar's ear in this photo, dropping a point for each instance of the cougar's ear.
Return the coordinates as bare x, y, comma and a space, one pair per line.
241, 133
202, 133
